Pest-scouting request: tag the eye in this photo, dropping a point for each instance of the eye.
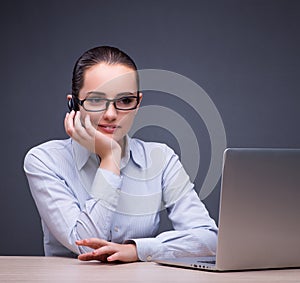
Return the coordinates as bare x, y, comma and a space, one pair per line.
126, 100
94, 100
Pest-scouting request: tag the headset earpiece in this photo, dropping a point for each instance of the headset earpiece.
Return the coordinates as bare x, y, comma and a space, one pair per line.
72, 105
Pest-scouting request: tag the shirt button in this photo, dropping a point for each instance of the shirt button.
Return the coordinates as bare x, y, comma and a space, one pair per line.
149, 257
116, 229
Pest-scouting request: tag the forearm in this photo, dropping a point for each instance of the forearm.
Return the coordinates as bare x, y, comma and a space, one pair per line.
69, 214
172, 244
73, 223
111, 163
96, 218
195, 232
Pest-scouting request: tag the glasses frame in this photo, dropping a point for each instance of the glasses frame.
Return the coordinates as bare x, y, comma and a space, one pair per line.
109, 101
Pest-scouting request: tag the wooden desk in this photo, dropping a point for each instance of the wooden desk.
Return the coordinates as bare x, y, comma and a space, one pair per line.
54, 269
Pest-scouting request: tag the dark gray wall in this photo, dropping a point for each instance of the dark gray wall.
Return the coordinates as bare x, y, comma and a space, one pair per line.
244, 54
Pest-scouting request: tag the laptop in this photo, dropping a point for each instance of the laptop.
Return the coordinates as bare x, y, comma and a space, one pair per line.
259, 217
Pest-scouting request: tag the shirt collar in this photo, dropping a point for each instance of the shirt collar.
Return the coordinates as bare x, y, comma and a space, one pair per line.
133, 150
81, 154
137, 152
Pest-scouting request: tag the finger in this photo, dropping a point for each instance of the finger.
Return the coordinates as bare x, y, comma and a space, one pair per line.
87, 121
80, 131
114, 257
89, 127
69, 123
87, 257
77, 121
105, 250
96, 241
93, 243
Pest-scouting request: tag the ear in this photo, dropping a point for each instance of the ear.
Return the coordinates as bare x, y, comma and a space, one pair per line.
138, 106
141, 97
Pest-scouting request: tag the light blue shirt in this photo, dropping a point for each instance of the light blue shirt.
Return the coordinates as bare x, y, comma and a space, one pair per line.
77, 200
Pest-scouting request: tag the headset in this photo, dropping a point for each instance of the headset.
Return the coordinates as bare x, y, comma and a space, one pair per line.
72, 104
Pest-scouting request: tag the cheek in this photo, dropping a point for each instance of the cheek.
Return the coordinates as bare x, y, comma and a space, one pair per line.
95, 118
127, 121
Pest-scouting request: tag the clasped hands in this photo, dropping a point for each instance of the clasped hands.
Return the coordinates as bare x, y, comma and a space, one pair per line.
107, 251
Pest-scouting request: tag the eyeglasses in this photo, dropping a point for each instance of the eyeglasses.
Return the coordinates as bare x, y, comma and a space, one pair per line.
95, 102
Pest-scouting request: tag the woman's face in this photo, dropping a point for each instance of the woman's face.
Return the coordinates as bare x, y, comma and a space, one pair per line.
111, 81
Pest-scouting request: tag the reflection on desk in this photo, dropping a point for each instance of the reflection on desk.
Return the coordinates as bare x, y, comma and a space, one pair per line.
58, 269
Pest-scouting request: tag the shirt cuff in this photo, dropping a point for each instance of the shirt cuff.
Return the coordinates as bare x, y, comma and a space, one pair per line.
147, 248
106, 187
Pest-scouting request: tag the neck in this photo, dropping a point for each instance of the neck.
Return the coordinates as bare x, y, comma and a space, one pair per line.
123, 144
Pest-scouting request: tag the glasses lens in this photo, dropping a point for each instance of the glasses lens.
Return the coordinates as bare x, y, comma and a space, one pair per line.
127, 102
95, 102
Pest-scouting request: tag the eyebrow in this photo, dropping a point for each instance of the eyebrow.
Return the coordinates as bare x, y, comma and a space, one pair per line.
96, 92
125, 93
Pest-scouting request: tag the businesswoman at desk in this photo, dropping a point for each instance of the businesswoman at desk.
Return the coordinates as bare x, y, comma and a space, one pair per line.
99, 193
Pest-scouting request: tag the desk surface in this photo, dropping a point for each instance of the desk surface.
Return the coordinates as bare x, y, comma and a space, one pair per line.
54, 269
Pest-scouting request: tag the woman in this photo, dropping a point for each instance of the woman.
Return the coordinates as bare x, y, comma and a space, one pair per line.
99, 193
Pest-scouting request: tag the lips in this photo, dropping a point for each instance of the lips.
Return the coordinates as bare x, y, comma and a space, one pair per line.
107, 128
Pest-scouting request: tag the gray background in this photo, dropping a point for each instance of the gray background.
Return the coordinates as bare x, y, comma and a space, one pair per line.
244, 54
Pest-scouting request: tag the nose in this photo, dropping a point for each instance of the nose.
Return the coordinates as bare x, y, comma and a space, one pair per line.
111, 112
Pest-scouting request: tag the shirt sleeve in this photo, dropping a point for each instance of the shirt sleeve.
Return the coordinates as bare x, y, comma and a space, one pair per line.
60, 209
195, 232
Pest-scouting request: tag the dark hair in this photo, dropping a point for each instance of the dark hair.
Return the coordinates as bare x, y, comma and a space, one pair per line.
101, 54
